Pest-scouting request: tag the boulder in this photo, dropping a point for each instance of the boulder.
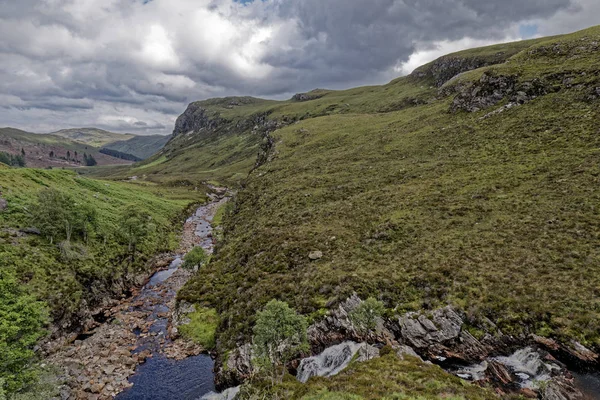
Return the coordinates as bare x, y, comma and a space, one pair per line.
3, 204
440, 335
315, 255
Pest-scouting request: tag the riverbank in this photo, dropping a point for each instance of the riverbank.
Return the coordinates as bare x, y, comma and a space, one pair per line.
98, 364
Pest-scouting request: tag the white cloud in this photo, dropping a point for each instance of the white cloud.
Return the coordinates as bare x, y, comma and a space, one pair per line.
133, 65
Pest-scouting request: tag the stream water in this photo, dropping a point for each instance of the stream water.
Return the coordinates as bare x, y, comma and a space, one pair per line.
159, 377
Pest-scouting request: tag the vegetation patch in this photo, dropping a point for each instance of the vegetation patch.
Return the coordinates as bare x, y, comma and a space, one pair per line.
202, 327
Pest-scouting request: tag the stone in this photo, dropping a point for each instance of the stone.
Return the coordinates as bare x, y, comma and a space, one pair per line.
404, 350
3, 204
315, 255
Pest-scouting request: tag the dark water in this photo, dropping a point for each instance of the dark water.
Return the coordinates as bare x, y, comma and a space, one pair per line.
163, 379
589, 384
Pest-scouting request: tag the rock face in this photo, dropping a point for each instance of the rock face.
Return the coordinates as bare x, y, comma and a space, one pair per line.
196, 118
491, 89
445, 68
440, 335
235, 369
337, 328
307, 96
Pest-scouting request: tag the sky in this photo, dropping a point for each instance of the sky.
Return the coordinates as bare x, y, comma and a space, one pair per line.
134, 65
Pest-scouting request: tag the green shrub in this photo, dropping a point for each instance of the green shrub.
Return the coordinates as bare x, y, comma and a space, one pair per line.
196, 257
202, 327
22, 319
279, 335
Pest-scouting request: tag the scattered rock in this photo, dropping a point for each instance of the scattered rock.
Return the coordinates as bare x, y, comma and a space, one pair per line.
315, 255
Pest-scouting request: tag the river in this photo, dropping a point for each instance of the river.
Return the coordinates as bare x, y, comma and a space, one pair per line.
132, 355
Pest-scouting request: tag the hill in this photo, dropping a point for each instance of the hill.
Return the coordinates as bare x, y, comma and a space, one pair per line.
92, 136
470, 183
43, 151
141, 147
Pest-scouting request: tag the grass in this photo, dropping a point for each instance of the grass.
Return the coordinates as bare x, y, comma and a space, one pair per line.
420, 208
64, 284
202, 327
386, 377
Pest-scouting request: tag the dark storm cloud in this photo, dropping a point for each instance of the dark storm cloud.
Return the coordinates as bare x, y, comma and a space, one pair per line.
133, 65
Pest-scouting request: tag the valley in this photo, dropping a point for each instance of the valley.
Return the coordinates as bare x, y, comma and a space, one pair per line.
434, 237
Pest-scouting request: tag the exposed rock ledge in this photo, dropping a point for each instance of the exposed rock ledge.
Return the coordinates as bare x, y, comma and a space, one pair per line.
439, 336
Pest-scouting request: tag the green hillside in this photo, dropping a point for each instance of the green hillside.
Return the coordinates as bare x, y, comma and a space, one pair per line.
92, 136
50, 150
481, 193
140, 146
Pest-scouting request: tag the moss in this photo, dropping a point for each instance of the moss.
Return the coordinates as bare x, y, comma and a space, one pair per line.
202, 327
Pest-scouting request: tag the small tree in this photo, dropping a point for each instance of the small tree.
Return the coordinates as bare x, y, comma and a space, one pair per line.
279, 335
68, 155
194, 258
59, 216
51, 154
133, 228
364, 316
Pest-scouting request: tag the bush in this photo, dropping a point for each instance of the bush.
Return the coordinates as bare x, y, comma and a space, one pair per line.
279, 336
196, 257
21, 325
364, 317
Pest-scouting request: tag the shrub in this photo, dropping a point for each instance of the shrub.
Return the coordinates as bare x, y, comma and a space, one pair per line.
279, 335
364, 317
196, 257
21, 325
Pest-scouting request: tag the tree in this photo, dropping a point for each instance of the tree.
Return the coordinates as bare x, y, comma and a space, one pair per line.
279, 335
134, 227
21, 325
23, 152
58, 216
51, 154
68, 155
89, 160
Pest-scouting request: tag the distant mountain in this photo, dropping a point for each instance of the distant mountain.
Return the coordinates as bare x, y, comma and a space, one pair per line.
141, 147
50, 150
92, 136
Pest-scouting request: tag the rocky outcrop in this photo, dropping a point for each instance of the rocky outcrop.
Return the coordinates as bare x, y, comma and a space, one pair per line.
235, 368
337, 327
307, 96
196, 118
440, 335
3, 204
491, 89
445, 68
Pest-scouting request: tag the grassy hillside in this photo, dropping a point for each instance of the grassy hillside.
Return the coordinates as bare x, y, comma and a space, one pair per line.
482, 194
51, 151
140, 146
92, 136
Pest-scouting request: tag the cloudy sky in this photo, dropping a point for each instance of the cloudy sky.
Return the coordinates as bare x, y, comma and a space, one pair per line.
133, 65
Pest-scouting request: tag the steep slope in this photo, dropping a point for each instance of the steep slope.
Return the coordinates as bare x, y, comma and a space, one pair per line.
481, 193
92, 136
140, 146
51, 151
